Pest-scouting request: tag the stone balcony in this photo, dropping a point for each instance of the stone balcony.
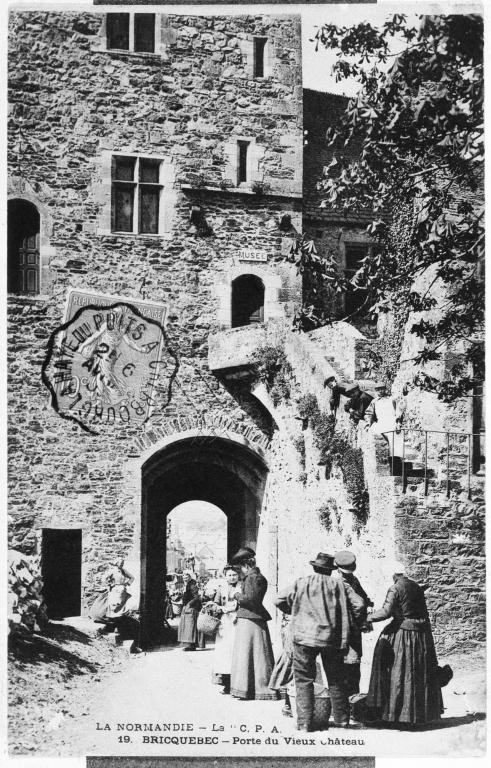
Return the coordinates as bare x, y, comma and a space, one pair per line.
231, 351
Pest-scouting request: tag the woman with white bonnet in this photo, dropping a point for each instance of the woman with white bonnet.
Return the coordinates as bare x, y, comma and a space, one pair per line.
404, 684
224, 643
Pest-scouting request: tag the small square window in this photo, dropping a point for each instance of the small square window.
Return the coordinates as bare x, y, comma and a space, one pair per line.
149, 171
145, 32
130, 32
135, 198
124, 168
118, 31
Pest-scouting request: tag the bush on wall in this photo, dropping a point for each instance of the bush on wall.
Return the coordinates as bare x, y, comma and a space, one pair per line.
273, 369
336, 449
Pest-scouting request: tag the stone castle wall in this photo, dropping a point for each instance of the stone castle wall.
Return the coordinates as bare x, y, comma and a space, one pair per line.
76, 104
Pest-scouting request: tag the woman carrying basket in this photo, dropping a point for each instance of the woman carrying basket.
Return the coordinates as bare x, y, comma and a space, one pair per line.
187, 633
227, 609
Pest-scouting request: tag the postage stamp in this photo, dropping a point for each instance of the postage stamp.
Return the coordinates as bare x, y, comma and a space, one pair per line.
104, 362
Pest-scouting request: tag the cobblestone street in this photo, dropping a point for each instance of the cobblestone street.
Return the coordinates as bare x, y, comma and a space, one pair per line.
172, 687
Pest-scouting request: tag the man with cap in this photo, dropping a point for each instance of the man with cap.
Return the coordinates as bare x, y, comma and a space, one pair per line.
338, 388
321, 608
346, 564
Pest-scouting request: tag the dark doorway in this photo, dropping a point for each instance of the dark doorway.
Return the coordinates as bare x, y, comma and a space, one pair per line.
247, 300
478, 428
23, 247
61, 568
216, 470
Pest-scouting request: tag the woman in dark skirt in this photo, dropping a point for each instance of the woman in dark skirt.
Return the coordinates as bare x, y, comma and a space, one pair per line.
187, 633
404, 683
252, 655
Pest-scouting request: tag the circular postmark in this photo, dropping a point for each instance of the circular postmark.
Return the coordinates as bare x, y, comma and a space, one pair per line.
105, 365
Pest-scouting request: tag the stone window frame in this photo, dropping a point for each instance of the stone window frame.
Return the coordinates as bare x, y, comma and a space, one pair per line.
352, 239
167, 201
255, 154
160, 42
272, 281
46, 251
247, 49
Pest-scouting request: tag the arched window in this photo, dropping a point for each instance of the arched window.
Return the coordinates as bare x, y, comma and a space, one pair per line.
23, 247
247, 300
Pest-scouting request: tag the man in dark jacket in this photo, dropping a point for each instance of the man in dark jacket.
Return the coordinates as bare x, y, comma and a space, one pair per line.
338, 388
321, 608
346, 564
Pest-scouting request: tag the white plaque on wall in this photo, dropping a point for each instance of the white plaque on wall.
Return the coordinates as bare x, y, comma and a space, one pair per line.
251, 254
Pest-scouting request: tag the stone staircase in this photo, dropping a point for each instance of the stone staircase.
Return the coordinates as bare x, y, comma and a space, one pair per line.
434, 462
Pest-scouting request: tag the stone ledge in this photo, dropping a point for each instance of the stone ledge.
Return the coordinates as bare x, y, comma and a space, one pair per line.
236, 191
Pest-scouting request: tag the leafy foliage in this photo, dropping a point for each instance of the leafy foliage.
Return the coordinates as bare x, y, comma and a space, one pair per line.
336, 449
307, 405
328, 514
272, 368
299, 444
419, 130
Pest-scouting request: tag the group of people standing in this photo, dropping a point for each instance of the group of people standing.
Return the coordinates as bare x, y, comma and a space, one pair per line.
243, 659
325, 616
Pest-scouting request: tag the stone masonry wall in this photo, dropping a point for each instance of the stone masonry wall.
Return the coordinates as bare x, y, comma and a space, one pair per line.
71, 103
329, 228
442, 541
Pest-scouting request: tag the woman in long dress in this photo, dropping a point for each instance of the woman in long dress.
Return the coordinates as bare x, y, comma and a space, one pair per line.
224, 642
404, 683
187, 633
252, 656
112, 601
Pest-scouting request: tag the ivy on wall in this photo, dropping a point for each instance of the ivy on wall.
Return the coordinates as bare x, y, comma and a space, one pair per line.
336, 449
273, 370
329, 514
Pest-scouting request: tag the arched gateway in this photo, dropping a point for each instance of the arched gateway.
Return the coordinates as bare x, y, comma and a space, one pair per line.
230, 473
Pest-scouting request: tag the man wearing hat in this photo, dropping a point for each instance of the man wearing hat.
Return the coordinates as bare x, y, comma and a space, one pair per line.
321, 608
346, 564
338, 388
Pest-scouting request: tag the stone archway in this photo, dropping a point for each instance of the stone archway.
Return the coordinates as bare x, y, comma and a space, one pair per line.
218, 470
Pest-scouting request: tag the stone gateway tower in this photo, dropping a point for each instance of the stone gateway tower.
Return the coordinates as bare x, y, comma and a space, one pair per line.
156, 169
157, 158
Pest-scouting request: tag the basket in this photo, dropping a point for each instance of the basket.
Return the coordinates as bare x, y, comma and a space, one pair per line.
322, 705
207, 624
177, 609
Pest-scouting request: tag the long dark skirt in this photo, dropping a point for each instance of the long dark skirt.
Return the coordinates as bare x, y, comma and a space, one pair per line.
98, 608
252, 661
187, 632
404, 685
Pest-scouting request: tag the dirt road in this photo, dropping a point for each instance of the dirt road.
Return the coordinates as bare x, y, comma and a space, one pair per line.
163, 703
